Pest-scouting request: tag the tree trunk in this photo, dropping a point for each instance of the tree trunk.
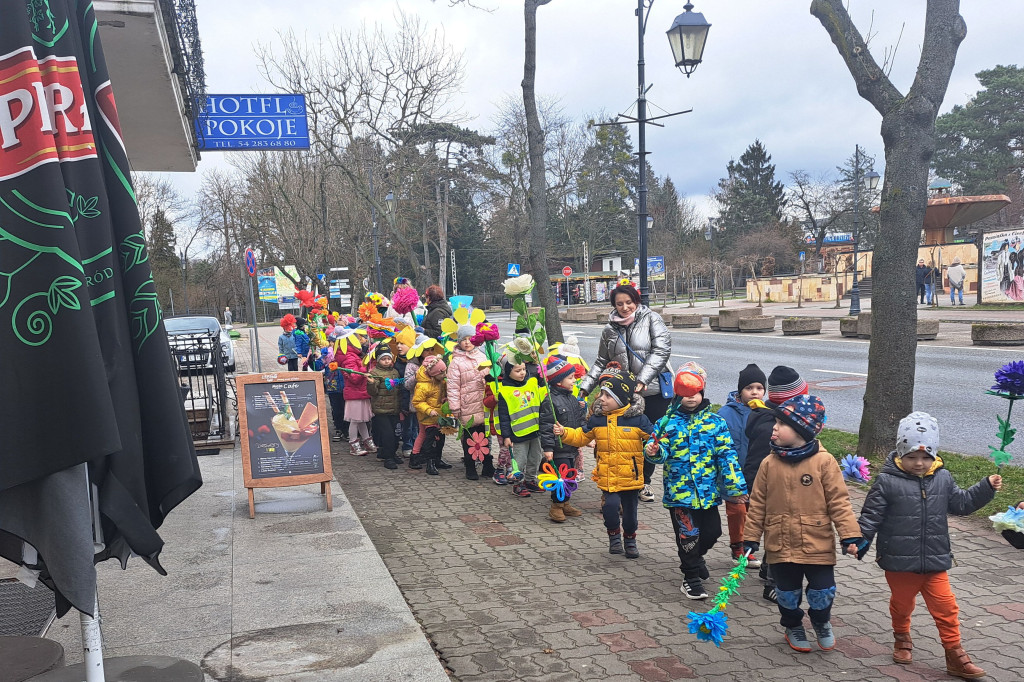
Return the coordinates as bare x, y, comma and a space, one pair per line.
428, 276
908, 132
538, 194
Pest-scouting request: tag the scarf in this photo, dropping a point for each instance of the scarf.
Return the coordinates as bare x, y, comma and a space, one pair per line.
624, 321
794, 455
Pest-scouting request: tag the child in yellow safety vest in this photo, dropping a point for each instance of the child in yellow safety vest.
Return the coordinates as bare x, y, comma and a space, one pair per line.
522, 414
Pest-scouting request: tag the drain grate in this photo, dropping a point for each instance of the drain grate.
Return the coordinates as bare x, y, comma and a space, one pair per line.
24, 611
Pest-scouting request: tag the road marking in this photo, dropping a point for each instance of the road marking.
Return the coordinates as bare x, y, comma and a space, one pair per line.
680, 355
832, 371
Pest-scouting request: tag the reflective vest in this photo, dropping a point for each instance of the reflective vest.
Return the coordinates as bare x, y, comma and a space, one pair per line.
524, 405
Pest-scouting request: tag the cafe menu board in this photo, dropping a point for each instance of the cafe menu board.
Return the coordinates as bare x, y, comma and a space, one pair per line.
283, 419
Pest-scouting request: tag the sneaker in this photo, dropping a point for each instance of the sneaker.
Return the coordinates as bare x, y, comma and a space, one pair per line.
336, 438
826, 640
769, 594
753, 562
519, 491
390, 464
516, 477
533, 486
615, 543
693, 589
499, 477
796, 638
647, 495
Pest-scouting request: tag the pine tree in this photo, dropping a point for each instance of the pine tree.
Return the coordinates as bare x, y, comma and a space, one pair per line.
749, 195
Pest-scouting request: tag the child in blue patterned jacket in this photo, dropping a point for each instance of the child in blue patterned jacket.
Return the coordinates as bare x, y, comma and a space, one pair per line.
694, 445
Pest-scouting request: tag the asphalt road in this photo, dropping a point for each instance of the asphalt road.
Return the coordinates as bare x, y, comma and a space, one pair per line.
951, 381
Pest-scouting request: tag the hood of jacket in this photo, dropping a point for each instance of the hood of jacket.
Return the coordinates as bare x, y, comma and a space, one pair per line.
894, 465
634, 409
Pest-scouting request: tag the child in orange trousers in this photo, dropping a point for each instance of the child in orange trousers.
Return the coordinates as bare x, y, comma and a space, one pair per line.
906, 510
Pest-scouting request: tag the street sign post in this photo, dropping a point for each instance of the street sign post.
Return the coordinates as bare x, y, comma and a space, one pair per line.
250, 262
513, 270
566, 271
254, 341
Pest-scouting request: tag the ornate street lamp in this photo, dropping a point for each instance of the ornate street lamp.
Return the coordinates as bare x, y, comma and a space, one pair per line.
687, 36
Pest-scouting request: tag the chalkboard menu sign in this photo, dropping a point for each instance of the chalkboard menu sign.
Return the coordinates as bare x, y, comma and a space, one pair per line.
283, 419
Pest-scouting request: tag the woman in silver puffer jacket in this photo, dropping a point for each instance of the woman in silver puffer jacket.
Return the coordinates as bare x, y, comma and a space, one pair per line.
647, 355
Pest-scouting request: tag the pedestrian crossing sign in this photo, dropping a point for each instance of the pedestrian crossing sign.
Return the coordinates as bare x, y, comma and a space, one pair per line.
513, 270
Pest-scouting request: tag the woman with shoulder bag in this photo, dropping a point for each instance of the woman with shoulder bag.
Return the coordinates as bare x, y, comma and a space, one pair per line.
637, 338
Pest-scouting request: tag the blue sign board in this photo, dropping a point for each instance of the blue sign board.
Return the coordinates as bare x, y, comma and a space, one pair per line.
253, 122
513, 270
250, 262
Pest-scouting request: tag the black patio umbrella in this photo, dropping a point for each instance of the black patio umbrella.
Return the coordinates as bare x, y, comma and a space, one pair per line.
88, 391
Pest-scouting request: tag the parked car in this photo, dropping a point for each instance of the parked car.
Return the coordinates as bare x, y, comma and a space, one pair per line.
181, 333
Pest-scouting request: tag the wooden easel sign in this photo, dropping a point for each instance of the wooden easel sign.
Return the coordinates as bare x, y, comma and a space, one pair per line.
282, 416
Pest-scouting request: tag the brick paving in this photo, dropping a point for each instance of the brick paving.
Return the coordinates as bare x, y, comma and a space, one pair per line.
505, 594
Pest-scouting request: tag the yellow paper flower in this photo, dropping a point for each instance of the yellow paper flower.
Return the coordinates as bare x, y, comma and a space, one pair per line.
461, 317
341, 345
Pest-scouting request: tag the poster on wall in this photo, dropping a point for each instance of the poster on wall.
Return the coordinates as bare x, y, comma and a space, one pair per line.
600, 291
283, 442
1002, 267
285, 279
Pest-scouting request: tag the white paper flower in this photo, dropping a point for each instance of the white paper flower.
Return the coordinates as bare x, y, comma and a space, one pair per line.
522, 284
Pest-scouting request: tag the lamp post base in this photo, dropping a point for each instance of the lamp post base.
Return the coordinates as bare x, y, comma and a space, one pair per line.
855, 300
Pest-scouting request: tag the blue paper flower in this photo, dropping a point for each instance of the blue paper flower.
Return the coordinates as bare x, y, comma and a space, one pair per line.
709, 627
855, 468
1011, 519
1010, 378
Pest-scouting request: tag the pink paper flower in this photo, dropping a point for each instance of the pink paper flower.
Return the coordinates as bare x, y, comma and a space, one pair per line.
479, 446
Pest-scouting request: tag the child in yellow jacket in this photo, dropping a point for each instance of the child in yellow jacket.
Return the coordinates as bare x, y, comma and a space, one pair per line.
428, 398
618, 424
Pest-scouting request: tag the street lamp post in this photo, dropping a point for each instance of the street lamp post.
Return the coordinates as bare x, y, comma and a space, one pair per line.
686, 37
184, 277
870, 182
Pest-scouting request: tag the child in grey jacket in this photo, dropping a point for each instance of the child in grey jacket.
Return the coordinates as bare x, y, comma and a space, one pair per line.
906, 510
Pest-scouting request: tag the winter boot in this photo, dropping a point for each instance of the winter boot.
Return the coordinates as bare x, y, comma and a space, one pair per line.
615, 542
390, 463
570, 510
958, 664
357, 449
415, 461
431, 467
631, 551
369, 446
555, 513
903, 648
487, 470
471, 474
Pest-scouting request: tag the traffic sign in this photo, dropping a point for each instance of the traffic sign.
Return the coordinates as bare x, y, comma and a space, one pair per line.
513, 270
250, 262
566, 271
802, 256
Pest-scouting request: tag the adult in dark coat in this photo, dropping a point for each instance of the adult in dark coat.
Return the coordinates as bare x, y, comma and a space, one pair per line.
437, 310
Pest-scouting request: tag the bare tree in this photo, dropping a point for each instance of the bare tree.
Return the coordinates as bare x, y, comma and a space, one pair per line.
908, 132
817, 203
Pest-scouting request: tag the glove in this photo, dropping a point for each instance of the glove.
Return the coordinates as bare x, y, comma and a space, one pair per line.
855, 541
751, 546
862, 548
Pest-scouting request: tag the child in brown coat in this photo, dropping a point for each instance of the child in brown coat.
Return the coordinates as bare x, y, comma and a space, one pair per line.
797, 496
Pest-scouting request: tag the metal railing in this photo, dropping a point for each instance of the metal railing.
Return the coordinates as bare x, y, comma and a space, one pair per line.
186, 49
200, 363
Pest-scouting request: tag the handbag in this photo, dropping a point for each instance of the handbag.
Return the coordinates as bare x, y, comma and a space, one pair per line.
664, 378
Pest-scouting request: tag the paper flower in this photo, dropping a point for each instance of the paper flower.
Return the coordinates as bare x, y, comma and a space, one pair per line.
366, 310
461, 316
709, 627
1011, 519
405, 300
288, 322
517, 286
485, 331
1010, 379
305, 298
562, 483
333, 366
479, 446
712, 626
855, 468
1009, 385
282, 360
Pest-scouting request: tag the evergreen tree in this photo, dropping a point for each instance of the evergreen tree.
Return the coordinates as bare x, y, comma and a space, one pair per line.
749, 195
606, 184
981, 143
849, 176
163, 258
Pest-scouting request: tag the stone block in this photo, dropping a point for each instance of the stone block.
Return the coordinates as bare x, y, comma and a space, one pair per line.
799, 326
864, 325
997, 334
848, 326
758, 324
729, 318
927, 330
713, 322
687, 320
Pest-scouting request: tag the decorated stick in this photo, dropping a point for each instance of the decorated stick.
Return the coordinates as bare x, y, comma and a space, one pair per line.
713, 625
1009, 385
562, 482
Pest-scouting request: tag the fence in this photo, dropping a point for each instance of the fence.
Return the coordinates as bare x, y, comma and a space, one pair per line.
204, 390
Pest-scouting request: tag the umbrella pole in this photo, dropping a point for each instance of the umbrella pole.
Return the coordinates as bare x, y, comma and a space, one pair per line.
92, 644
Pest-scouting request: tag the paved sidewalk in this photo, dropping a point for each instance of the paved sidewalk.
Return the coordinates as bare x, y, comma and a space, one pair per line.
298, 593
504, 594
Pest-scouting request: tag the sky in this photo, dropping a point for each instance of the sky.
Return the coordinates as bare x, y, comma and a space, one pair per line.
770, 71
